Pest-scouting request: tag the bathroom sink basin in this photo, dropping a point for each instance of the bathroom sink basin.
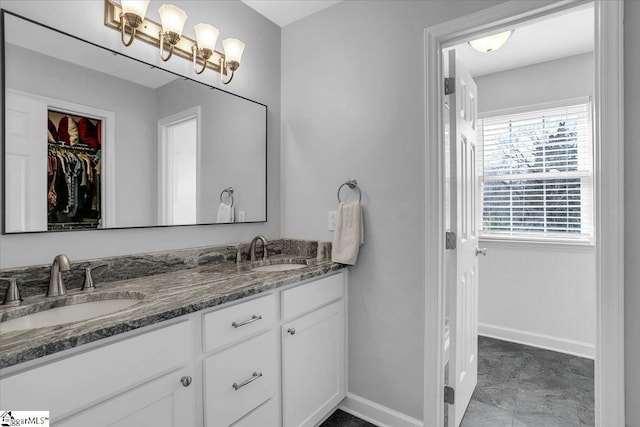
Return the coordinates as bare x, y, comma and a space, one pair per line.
279, 267
67, 314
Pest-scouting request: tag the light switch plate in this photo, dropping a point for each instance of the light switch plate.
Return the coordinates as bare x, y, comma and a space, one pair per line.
332, 220
241, 216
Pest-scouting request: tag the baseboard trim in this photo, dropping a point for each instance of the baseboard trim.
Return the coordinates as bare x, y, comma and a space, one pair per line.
576, 348
375, 413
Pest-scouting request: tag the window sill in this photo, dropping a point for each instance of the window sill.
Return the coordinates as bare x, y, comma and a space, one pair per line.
537, 243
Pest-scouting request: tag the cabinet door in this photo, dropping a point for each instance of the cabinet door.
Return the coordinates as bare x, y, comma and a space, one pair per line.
313, 365
164, 402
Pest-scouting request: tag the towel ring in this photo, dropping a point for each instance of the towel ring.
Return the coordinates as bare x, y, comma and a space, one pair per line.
227, 190
352, 184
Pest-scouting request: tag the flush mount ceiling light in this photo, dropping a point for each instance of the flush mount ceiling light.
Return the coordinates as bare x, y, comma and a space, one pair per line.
129, 18
491, 43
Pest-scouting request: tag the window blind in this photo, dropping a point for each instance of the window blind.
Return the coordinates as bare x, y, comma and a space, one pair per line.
538, 173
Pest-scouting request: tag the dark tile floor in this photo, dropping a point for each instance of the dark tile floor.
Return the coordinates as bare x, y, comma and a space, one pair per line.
520, 386
342, 419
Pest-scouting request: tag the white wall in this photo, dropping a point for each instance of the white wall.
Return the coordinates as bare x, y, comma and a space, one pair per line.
632, 211
353, 107
538, 294
548, 81
258, 78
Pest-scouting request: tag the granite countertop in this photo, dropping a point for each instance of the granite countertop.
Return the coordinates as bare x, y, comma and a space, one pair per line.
164, 296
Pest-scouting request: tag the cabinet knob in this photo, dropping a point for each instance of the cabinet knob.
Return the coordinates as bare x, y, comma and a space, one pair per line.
186, 381
292, 331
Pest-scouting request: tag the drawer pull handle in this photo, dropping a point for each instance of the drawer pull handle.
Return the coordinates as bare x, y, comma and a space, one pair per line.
186, 381
246, 322
292, 331
254, 377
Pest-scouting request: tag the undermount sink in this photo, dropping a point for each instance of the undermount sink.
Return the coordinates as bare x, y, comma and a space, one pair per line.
279, 267
74, 312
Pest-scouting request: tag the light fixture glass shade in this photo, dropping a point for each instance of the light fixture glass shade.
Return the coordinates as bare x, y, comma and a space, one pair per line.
206, 36
490, 43
172, 18
233, 49
136, 7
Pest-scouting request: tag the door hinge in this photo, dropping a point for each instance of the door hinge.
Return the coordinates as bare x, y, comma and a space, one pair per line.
450, 240
449, 85
449, 395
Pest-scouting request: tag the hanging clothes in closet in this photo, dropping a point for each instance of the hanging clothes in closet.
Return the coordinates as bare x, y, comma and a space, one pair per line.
74, 171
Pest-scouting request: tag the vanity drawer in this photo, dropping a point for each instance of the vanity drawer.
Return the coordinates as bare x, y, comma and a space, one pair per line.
305, 298
267, 415
235, 323
239, 379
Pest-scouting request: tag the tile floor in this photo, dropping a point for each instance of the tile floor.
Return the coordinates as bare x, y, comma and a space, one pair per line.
520, 386
524, 386
342, 419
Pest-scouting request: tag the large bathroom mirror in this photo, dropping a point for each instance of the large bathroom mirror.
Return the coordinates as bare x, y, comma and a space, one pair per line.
97, 140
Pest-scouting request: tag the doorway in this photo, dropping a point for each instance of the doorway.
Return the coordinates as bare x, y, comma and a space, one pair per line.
609, 411
533, 208
178, 168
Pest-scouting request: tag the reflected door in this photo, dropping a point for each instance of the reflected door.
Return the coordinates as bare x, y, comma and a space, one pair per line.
179, 170
25, 163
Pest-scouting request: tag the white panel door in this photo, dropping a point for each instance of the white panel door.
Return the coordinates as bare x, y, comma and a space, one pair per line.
462, 286
26, 164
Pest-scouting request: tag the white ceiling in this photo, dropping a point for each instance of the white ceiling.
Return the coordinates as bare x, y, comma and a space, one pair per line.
563, 35
284, 12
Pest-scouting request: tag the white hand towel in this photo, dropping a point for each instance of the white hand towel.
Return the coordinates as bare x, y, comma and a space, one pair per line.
348, 234
225, 213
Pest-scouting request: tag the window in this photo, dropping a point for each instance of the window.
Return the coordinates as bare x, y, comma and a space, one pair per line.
538, 173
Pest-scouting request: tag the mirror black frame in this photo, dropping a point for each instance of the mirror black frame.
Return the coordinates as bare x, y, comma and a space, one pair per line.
3, 13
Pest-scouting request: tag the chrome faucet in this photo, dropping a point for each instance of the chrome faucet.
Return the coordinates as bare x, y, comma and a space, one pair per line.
56, 285
252, 248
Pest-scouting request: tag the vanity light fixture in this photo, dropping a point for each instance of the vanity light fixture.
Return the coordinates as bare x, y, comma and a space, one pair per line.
491, 43
233, 49
173, 19
206, 37
132, 15
129, 16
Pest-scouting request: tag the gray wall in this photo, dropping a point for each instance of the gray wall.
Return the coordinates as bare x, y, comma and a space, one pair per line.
258, 78
232, 148
133, 106
353, 107
548, 81
632, 211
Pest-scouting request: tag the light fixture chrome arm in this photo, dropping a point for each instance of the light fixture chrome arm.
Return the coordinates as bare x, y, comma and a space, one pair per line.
172, 39
224, 67
133, 21
205, 54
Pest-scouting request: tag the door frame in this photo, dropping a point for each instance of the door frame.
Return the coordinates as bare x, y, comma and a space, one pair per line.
609, 221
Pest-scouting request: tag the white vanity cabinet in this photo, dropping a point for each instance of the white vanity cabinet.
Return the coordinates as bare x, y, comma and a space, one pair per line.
134, 381
299, 349
242, 371
313, 351
277, 359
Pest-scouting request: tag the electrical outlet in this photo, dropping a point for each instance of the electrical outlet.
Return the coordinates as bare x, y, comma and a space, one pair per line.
332, 220
241, 216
